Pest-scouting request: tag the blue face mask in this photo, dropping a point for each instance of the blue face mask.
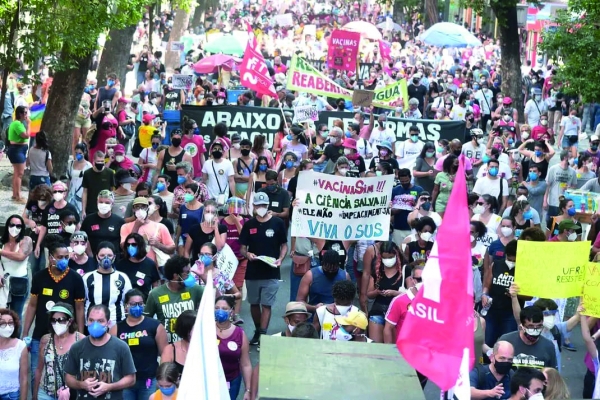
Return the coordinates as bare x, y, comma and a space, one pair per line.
181, 180
510, 141
154, 146
79, 156
486, 159
189, 281
167, 391
110, 82
538, 153
533, 176
571, 212
161, 186
493, 171
348, 134
90, 88
206, 260
262, 168
96, 330
289, 137
528, 214
136, 311
271, 188
221, 316
426, 206
414, 138
132, 251
475, 87
196, 131
289, 164
62, 264
106, 263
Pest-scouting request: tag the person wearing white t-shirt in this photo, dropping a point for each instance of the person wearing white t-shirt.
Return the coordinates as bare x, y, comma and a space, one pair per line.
381, 133
475, 150
217, 174
570, 128
408, 150
492, 184
459, 111
504, 169
535, 108
485, 98
363, 147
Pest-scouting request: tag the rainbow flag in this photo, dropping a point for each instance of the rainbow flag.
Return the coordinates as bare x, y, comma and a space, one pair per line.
36, 114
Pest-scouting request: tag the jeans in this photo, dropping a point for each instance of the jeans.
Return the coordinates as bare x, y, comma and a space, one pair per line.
294, 284
141, 390
34, 350
17, 303
10, 396
234, 387
37, 264
141, 76
498, 322
45, 396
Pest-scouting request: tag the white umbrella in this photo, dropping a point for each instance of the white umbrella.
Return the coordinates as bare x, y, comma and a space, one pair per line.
394, 27
366, 30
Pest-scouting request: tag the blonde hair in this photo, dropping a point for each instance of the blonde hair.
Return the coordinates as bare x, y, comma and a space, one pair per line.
556, 388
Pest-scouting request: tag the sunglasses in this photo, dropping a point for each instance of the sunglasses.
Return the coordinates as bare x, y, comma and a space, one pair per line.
425, 198
11, 225
59, 191
61, 320
132, 244
418, 280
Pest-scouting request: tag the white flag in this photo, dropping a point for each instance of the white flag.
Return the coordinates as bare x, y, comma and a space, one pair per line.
462, 389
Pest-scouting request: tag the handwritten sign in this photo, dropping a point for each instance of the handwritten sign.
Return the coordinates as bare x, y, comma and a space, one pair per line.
551, 269
184, 82
591, 290
362, 98
342, 208
227, 262
306, 113
177, 46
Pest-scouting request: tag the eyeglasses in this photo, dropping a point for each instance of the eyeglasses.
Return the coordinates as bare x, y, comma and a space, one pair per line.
132, 244
61, 320
140, 304
4, 324
425, 199
11, 225
58, 191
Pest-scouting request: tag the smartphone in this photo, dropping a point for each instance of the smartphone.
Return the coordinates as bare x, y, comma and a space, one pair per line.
106, 104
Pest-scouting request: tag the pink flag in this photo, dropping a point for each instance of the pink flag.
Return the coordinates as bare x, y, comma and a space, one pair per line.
343, 50
254, 73
439, 324
384, 50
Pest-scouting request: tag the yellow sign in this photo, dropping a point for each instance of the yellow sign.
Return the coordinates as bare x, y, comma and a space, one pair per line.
163, 299
591, 290
47, 292
552, 270
185, 296
133, 342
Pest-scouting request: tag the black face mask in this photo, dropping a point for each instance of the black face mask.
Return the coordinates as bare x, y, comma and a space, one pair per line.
176, 142
217, 154
457, 152
99, 166
405, 185
503, 367
245, 152
209, 102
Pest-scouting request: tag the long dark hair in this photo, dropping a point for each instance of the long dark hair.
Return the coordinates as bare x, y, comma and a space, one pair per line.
6, 235
427, 146
258, 160
161, 206
141, 245
388, 247
41, 140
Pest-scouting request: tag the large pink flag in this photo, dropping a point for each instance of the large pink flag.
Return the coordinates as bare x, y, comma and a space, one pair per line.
439, 325
384, 50
254, 73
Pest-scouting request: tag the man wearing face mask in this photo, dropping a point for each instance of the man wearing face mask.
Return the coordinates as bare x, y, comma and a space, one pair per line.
264, 235
408, 150
475, 149
492, 381
352, 327
559, 178
108, 92
279, 198
99, 346
179, 293
494, 185
404, 200
170, 157
535, 108
531, 348
218, 175
317, 284
295, 314
418, 91
527, 384
103, 225
59, 192
382, 134
567, 231
95, 180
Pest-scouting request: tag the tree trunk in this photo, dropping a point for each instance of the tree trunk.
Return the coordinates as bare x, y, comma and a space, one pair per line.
198, 18
511, 57
431, 13
116, 55
61, 109
150, 27
180, 24
9, 56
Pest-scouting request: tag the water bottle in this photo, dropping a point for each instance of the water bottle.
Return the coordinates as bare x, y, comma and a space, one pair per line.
313, 260
485, 309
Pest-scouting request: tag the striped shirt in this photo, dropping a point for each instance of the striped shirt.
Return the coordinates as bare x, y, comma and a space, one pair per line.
107, 289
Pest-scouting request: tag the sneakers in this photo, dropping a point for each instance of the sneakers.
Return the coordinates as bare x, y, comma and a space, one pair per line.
237, 320
569, 346
256, 338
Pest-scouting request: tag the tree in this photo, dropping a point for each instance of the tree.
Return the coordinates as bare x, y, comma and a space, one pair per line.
180, 25
115, 55
575, 43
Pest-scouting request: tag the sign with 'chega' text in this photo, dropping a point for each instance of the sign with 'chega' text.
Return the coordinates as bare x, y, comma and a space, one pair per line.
341, 208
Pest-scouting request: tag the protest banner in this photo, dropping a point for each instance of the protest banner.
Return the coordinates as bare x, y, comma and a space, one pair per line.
252, 121
551, 269
341, 208
362, 98
343, 50
392, 96
591, 290
184, 82
305, 78
364, 69
305, 113
227, 262
177, 46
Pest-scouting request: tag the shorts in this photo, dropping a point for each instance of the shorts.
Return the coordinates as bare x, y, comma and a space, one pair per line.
38, 180
262, 291
240, 273
565, 142
377, 319
81, 122
17, 153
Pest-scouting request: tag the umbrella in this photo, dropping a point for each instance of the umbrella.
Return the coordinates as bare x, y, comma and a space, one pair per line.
447, 34
366, 30
211, 64
226, 44
395, 27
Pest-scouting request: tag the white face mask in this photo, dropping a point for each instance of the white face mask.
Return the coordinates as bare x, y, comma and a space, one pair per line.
572, 237
70, 228
343, 310
104, 208
537, 396
208, 217
347, 151
549, 321
60, 328
151, 209
262, 211
426, 236
58, 196
220, 101
389, 262
127, 186
343, 171
506, 231
291, 328
472, 238
42, 204
236, 146
119, 158
478, 209
510, 264
525, 135
7, 331
141, 214
79, 249
14, 231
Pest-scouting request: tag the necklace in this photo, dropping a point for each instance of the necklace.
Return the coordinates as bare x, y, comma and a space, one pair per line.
224, 329
60, 346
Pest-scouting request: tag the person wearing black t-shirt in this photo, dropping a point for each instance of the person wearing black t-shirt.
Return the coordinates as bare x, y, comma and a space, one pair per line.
103, 225
80, 262
35, 215
279, 198
57, 208
417, 251
335, 149
385, 153
356, 163
140, 270
262, 236
57, 283
95, 180
418, 91
205, 232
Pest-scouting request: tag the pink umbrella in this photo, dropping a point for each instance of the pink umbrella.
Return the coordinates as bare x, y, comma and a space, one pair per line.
211, 64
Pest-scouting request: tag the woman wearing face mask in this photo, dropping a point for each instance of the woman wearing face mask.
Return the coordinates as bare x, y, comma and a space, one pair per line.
117, 285
540, 156
141, 270
423, 170
34, 215
570, 129
49, 379
207, 262
279, 142
356, 162
341, 167
258, 180
417, 251
287, 169
567, 212
385, 283
79, 260
478, 251
14, 367
234, 349
210, 228
157, 212
587, 169
459, 111
319, 142
516, 168
260, 148
149, 157
59, 192
75, 171
146, 338
297, 143
193, 142
14, 254
177, 351
167, 381
69, 222
107, 127
423, 209
190, 212
443, 183
522, 215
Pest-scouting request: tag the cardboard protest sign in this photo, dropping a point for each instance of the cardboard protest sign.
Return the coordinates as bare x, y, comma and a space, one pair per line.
184, 82
227, 262
551, 269
591, 290
342, 208
362, 98
306, 113
343, 50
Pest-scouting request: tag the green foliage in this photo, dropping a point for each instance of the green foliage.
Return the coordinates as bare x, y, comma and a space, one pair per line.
574, 43
407, 6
